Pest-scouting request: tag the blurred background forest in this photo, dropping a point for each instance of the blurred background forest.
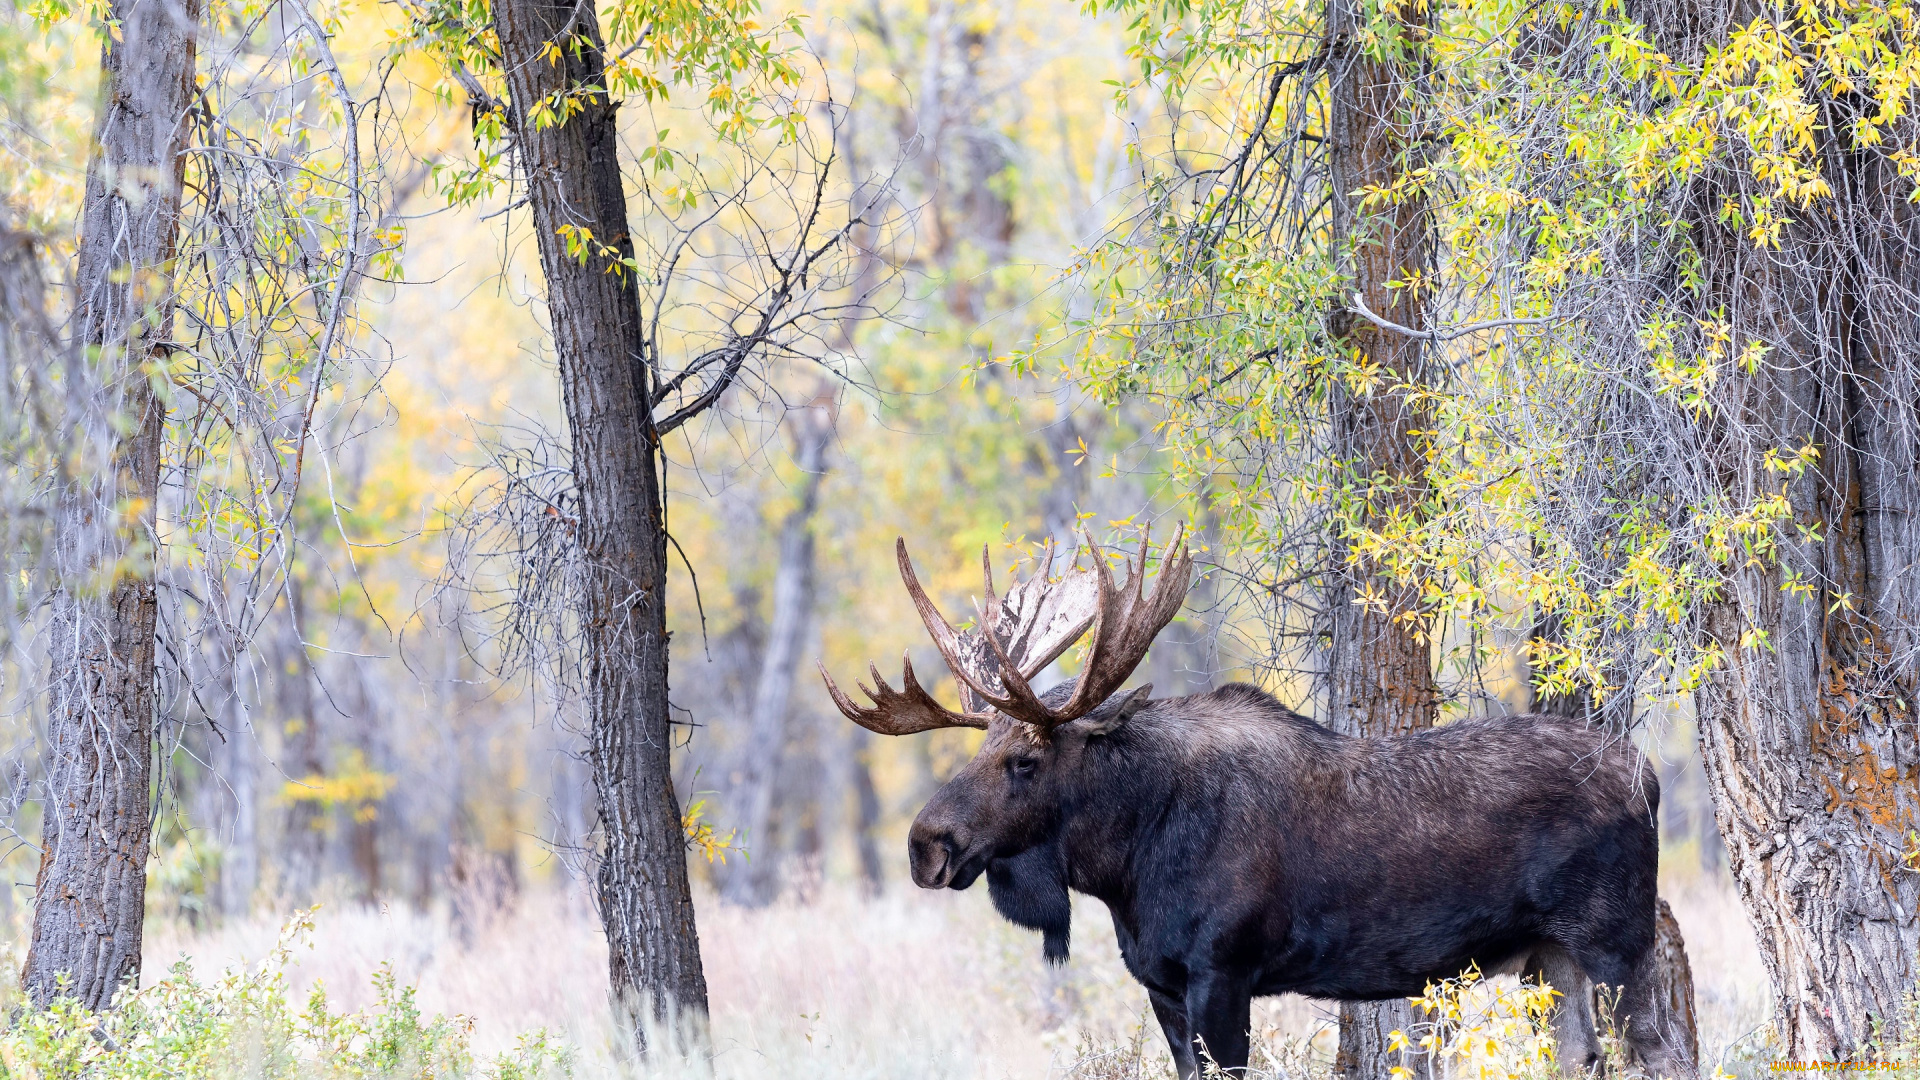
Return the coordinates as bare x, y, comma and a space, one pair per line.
360, 749
357, 750
359, 743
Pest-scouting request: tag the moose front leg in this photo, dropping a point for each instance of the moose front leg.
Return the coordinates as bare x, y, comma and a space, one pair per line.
1172, 1014
1220, 1010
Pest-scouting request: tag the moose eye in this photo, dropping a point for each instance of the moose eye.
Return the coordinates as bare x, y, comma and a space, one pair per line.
1023, 766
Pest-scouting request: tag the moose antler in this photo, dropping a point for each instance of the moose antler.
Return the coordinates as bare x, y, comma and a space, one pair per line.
899, 712
1036, 622
1020, 634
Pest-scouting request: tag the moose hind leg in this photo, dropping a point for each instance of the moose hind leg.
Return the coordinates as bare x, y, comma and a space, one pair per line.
1576, 1042
1172, 1014
1656, 1005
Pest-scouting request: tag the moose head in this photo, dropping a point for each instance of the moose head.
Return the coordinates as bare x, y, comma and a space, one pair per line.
1005, 802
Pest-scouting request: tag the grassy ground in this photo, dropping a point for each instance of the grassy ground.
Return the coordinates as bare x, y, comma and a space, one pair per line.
907, 984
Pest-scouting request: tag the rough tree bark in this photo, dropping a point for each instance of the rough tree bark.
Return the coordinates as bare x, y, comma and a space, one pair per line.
1380, 676
1673, 1012
756, 881
1807, 729
1379, 666
572, 176
90, 894
1811, 749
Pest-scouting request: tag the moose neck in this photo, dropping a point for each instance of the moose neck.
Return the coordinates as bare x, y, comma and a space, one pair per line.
1166, 776
1122, 783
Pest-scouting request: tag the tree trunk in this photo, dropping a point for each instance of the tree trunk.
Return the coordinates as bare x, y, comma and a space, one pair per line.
1673, 1015
1380, 677
1807, 729
303, 821
1380, 668
90, 895
237, 775
572, 175
364, 818
1809, 740
866, 822
757, 881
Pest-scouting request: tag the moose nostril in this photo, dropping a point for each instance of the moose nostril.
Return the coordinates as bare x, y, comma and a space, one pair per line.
931, 856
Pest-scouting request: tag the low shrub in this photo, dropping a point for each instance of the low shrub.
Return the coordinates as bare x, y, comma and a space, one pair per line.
244, 1026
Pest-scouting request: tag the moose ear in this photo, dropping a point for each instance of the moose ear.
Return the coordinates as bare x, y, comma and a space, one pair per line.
1115, 711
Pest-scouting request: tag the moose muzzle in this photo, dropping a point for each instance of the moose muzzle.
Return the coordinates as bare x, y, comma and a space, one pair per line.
940, 859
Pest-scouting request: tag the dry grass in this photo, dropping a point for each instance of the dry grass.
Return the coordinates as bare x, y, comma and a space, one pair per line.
908, 984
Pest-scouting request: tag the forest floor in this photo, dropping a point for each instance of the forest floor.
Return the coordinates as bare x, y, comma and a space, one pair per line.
909, 983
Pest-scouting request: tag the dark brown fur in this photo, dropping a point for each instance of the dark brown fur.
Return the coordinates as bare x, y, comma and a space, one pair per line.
1244, 850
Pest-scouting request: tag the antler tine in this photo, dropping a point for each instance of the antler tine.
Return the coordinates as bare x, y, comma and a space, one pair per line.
1052, 614
1135, 585
1122, 636
944, 637
1020, 702
905, 712
986, 572
1047, 615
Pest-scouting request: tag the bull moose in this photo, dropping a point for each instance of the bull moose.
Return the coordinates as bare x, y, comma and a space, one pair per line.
1245, 850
